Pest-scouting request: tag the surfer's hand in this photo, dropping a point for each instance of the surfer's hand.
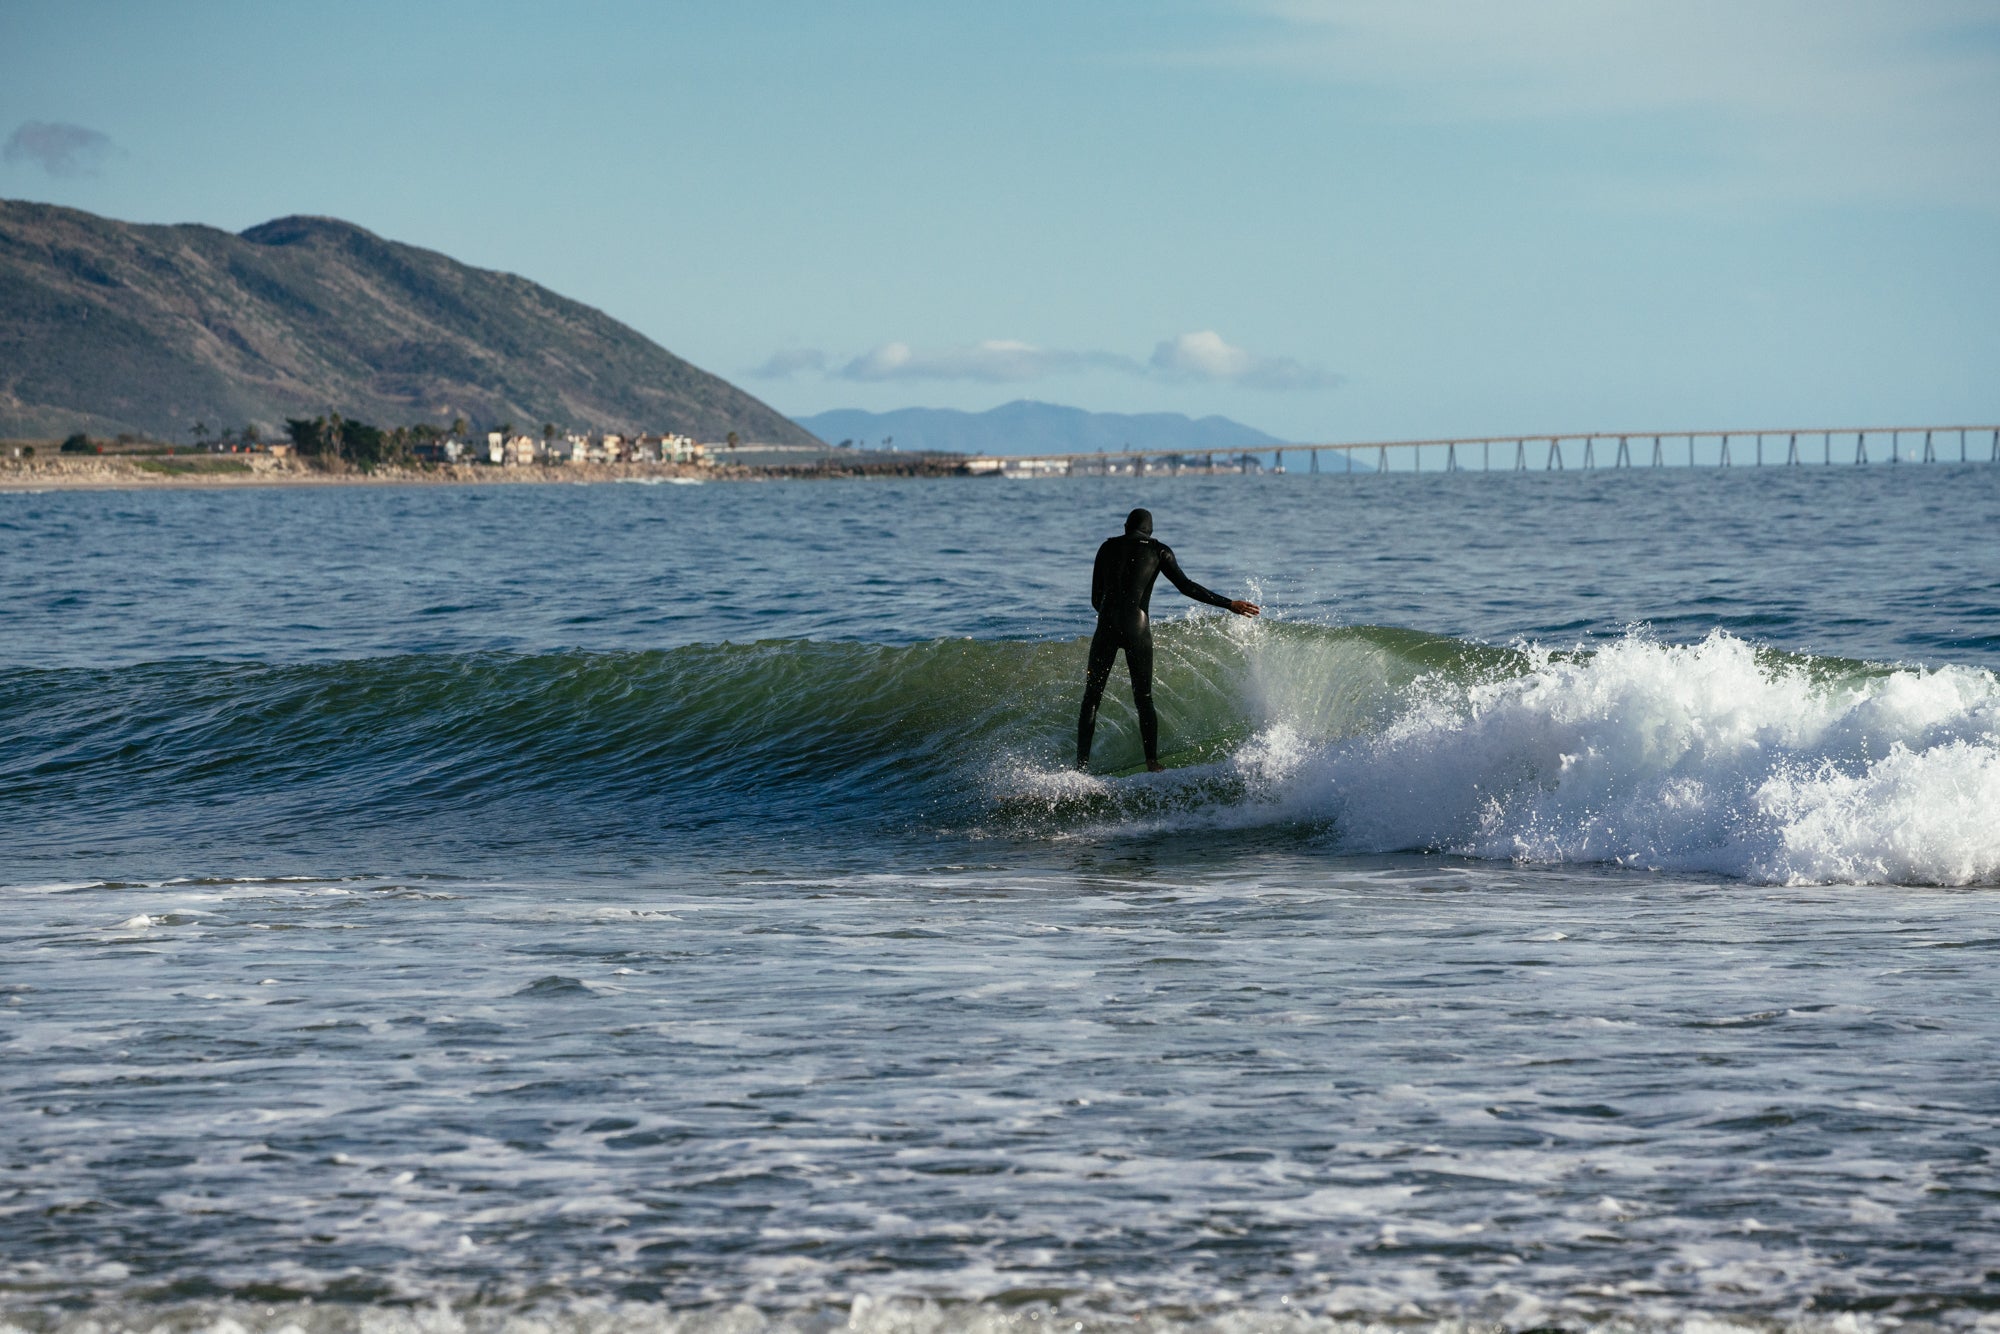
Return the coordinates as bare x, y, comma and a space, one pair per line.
1242, 608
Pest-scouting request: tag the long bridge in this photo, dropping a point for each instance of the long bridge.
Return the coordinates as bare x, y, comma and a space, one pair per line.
1521, 453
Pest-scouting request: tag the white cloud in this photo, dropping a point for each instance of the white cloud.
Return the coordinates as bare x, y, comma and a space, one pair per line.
1203, 356
59, 149
997, 360
1827, 99
1207, 356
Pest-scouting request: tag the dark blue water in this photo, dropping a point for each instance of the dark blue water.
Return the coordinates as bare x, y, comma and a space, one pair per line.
622, 905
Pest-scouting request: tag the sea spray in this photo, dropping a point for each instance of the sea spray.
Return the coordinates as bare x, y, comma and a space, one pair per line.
1705, 757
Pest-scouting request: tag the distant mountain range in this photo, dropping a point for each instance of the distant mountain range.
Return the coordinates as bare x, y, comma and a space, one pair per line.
111, 326
1027, 427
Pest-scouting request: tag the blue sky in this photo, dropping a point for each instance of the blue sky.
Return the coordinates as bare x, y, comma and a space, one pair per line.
1332, 219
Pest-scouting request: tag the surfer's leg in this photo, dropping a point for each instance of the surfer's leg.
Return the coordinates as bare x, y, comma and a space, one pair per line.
1103, 652
1139, 662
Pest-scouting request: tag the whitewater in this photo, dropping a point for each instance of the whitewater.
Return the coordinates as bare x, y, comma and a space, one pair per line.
1573, 906
1704, 757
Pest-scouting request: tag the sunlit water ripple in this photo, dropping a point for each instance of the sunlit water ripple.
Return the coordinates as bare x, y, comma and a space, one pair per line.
656, 908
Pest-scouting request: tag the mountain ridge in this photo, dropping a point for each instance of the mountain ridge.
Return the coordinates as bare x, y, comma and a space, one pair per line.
108, 326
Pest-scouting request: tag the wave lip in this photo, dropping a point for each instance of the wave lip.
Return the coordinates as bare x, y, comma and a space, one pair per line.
1713, 757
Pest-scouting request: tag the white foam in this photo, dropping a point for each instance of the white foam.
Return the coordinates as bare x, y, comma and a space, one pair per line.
867, 1314
1703, 757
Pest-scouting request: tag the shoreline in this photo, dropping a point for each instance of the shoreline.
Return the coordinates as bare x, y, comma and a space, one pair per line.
214, 472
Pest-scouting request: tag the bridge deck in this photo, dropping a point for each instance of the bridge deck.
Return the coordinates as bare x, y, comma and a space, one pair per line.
1827, 437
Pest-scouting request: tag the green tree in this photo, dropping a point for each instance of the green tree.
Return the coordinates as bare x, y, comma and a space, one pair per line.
77, 444
308, 437
363, 444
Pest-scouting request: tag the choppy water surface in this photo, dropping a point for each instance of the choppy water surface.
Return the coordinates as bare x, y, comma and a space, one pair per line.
627, 907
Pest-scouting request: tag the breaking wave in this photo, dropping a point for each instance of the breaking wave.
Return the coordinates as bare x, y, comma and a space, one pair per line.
1716, 756
1710, 757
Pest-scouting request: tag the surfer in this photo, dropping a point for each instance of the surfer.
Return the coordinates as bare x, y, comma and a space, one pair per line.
1121, 585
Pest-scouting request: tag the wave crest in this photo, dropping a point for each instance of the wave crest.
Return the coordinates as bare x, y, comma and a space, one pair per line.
1713, 757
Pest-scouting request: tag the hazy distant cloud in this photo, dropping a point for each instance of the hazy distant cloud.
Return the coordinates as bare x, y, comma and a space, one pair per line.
1790, 98
1207, 356
997, 360
59, 149
1203, 356
785, 364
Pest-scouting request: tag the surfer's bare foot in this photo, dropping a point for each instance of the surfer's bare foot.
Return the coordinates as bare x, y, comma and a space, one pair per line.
1155, 767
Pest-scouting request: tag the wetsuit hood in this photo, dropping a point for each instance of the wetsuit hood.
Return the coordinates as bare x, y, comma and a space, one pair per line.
1139, 522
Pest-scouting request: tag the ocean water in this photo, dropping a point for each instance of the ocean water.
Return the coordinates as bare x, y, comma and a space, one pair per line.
1575, 905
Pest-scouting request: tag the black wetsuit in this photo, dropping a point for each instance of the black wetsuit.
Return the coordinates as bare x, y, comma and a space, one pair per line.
1121, 586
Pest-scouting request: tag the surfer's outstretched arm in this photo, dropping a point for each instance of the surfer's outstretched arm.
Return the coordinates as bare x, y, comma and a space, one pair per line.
1172, 569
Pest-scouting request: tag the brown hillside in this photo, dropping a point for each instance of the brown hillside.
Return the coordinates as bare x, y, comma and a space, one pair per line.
108, 326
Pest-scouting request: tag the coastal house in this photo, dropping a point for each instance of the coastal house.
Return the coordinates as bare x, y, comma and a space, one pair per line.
668, 448
438, 451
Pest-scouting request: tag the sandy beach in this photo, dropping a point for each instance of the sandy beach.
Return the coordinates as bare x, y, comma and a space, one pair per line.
198, 470
110, 472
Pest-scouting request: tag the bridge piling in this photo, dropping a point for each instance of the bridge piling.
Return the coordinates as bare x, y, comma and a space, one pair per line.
1175, 462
